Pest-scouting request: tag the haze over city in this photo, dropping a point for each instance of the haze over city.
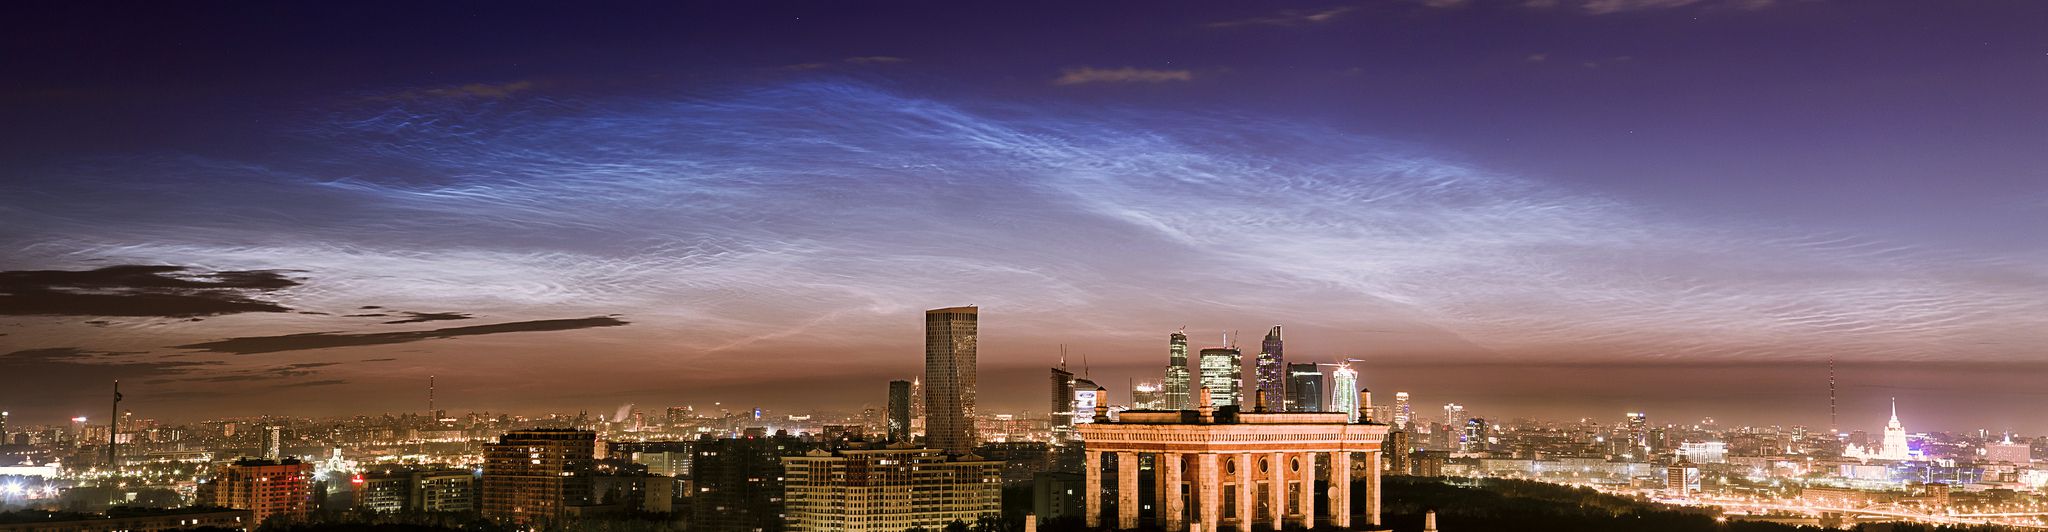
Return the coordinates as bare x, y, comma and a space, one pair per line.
1559, 209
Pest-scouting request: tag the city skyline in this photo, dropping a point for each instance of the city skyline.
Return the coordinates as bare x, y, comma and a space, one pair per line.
1691, 209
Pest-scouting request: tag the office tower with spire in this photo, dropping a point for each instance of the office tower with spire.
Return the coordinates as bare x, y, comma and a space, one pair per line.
949, 377
1177, 397
899, 411
1304, 388
1344, 391
1223, 375
1271, 368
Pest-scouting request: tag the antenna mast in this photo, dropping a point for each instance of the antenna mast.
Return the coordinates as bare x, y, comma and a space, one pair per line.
114, 430
1833, 429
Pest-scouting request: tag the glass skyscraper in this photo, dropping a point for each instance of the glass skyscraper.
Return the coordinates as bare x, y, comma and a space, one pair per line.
1223, 375
1344, 391
1177, 397
949, 377
1272, 371
899, 411
1304, 388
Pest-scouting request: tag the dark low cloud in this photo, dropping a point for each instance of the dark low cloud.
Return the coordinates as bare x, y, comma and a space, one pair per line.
321, 340
139, 290
309, 384
420, 317
60, 376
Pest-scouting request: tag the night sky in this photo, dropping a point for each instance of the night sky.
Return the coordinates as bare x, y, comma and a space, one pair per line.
1559, 208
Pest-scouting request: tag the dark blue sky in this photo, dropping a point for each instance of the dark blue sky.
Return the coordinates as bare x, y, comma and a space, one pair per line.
769, 192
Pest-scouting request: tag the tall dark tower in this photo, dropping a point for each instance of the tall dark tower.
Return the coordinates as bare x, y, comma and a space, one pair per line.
1061, 402
899, 411
949, 377
1272, 372
114, 429
1177, 397
1833, 429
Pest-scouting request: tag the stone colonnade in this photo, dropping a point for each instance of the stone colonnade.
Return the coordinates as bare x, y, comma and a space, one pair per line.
1281, 480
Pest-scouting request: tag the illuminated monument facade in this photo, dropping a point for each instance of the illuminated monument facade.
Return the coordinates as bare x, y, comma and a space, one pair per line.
1219, 469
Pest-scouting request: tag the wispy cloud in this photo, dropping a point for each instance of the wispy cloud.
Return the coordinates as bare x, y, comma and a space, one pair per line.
1288, 17
859, 60
1607, 7
808, 224
470, 90
1086, 75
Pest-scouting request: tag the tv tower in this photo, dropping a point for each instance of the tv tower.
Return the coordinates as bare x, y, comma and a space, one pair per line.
1833, 429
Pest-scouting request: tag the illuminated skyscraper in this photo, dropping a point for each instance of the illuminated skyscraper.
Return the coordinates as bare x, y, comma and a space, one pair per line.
1271, 369
1062, 403
1146, 396
273, 442
1304, 388
1894, 438
1344, 391
1402, 412
949, 377
1639, 434
899, 411
1177, 397
1223, 375
1454, 415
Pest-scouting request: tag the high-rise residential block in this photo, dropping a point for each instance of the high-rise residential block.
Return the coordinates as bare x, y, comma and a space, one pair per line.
535, 476
887, 490
738, 482
949, 377
267, 488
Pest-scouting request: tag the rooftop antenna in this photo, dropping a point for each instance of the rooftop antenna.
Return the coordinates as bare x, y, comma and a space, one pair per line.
1084, 365
430, 397
1063, 357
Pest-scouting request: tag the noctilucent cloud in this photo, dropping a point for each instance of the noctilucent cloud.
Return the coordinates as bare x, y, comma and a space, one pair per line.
1550, 208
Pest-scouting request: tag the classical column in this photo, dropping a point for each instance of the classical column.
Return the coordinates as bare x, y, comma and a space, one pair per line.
1308, 489
1127, 490
1276, 483
1245, 467
1208, 487
1372, 489
1166, 466
1091, 496
1340, 489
